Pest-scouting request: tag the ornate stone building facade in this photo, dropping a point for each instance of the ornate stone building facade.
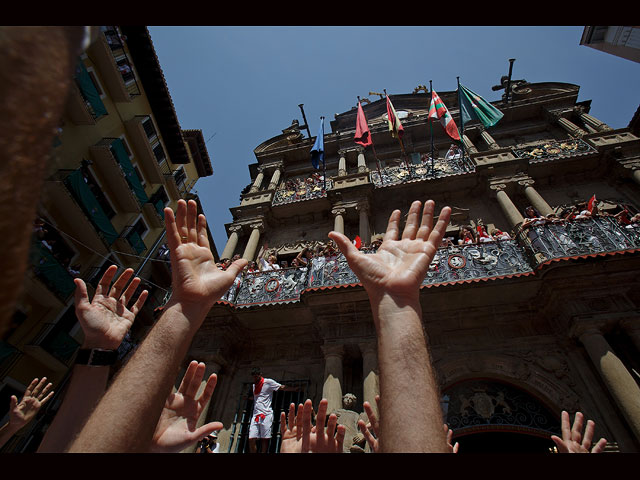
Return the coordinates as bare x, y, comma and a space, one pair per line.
519, 329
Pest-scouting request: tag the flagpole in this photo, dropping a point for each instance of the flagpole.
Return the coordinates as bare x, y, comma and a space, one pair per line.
404, 154
324, 163
373, 149
461, 120
431, 129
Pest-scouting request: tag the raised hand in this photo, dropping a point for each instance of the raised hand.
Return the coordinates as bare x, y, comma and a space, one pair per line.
372, 438
35, 396
299, 436
105, 320
449, 433
572, 441
400, 264
196, 280
176, 428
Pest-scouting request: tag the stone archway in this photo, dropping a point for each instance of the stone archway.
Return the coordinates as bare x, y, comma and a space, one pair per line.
491, 416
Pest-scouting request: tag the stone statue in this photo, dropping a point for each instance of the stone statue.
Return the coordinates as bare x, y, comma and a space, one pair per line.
354, 441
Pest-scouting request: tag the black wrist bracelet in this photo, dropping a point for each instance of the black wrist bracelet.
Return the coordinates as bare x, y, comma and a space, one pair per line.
96, 357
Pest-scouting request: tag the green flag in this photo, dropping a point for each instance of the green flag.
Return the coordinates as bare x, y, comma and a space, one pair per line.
473, 106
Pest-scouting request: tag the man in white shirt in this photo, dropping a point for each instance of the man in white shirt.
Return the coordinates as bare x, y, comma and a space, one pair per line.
262, 417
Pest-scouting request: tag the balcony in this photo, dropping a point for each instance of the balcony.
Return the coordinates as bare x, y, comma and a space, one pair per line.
51, 272
578, 238
300, 189
53, 347
422, 169
141, 137
456, 264
108, 53
554, 150
129, 241
71, 202
116, 171
169, 180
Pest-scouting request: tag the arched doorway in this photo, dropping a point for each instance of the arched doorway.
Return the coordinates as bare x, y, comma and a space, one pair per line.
490, 416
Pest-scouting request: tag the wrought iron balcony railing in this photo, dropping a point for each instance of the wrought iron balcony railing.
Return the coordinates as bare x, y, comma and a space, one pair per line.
425, 169
553, 150
298, 189
576, 238
453, 264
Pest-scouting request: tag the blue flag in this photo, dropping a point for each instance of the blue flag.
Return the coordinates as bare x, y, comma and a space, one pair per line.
317, 152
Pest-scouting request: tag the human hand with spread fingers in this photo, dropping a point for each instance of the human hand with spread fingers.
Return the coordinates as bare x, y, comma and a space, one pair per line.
299, 436
572, 440
400, 264
410, 418
177, 427
106, 319
196, 280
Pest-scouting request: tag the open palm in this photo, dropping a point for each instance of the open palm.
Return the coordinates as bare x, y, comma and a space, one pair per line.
35, 396
177, 427
106, 319
195, 277
400, 264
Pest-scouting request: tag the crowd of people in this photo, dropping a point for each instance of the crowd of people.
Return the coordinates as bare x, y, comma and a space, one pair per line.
139, 412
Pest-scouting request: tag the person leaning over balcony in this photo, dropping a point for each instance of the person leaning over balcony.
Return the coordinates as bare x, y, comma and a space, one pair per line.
410, 418
126, 417
21, 413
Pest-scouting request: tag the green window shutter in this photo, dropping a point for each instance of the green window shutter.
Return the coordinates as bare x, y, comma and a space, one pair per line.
136, 242
129, 171
85, 197
89, 90
51, 271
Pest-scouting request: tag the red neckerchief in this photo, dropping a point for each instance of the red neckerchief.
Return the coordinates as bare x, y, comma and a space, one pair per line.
258, 386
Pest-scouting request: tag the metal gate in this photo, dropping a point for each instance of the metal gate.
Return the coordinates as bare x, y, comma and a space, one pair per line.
281, 401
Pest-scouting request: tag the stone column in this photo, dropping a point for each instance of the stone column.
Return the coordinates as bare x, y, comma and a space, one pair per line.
332, 387
491, 143
363, 210
535, 198
370, 384
232, 242
252, 245
616, 377
342, 163
212, 367
468, 145
508, 208
258, 181
338, 221
275, 179
362, 162
568, 125
593, 122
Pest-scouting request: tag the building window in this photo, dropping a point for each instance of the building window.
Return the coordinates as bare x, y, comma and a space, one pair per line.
94, 80
158, 151
149, 129
96, 189
179, 176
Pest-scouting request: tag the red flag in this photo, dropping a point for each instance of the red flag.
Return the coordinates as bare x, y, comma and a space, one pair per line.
438, 110
395, 127
591, 202
357, 242
363, 135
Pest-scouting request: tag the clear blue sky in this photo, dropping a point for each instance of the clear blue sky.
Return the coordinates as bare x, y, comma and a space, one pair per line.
242, 85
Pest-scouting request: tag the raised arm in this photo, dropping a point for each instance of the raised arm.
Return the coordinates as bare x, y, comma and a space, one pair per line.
125, 419
410, 415
176, 428
21, 413
105, 320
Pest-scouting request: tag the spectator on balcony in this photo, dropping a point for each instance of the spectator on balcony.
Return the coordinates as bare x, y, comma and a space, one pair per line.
454, 152
446, 242
252, 267
270, 264
284, 264
500, 235
532, 217
483, 236
224, 263
466, 236
634, 221
304, 257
